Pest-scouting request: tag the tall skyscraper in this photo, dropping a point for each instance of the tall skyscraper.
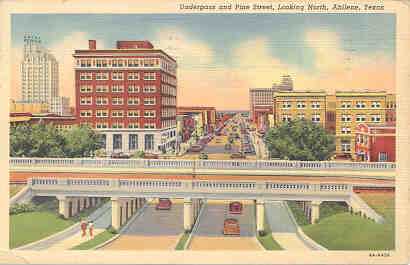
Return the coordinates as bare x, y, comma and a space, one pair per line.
39, 72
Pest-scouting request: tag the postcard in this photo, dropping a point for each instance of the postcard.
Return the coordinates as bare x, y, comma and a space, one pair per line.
250, 132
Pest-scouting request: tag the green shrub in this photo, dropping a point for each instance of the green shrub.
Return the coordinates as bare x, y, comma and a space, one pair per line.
100, 153
139, 154
203, 156
22, 208
112, 230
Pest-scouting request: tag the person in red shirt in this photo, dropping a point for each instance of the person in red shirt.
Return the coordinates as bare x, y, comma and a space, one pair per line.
90, 228
83, 227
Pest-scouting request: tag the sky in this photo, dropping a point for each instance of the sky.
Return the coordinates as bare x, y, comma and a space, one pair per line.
221, 56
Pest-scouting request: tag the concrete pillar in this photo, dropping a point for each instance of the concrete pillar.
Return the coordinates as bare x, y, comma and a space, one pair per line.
260, 215
115, 212
135, 204
87, 202
129, 209
63, 206
124, 216
75, 206
187, 213
315, 213
81, 203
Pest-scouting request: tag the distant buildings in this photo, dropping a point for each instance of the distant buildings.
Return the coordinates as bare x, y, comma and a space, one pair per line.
129, 95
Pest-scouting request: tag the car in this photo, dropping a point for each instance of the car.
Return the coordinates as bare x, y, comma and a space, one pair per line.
235, 207
231, 227
120, 155
164, 204
195, 148
237, 155
150, 156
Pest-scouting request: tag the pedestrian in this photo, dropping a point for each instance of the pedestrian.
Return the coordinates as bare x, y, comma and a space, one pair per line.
83, 227
90, 228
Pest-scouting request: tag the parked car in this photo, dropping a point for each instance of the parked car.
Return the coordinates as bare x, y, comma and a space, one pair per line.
150, 156
164, 204
119, 155
235, 207
195, 148
231, 227
237, 155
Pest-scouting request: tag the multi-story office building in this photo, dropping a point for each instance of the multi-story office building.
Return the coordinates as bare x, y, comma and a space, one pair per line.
129, 95
375, 144
60, 106
39, 72
391, 109
354, 108
206, 122
303, 105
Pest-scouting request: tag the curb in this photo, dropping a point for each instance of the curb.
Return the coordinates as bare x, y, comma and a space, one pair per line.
137, 214
47, 238
188, 242
302, 236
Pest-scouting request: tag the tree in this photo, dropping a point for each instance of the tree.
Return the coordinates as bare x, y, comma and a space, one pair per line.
300, 140
203, 155
81, 141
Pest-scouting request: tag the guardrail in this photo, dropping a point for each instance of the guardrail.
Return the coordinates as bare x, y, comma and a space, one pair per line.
200, 186
200, 164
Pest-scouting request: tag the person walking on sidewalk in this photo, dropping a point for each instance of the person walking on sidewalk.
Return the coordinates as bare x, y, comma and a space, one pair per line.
90, 228
83, 227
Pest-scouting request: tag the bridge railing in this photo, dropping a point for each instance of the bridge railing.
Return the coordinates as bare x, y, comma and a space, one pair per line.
201, 164
174, 185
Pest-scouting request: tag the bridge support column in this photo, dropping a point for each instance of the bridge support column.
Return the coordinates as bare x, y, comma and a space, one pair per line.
63, 204
115, 212
260, 215
187, 213
315, 213
75, 206
123, 212
87, 202
129, 209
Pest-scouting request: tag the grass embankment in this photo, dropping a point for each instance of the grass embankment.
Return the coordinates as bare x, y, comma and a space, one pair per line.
182, 241
25, 228
344, 231
14, 189
97, 240
267, 241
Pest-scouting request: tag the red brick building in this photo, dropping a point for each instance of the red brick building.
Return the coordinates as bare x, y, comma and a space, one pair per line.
375, 144
61, 122
128, 94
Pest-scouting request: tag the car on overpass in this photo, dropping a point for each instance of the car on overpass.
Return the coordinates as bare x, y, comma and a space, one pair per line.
195, 148
164, 204
235, 207
231, 227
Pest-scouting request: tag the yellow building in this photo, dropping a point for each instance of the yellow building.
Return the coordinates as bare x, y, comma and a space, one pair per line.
34, 108
307, 105
354, 108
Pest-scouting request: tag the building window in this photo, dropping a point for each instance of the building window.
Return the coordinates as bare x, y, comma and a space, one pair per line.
375, 118
149, 76
149, 142
315, 105
85, 113
86, 76
150, 89
133, 76
117, 141
133, 125
102, 125
346, 130
345, 147
133, 113
117, 101
382, 157
286, 117
346, 118
360, 104
133, 101
101, 113
316, 118
346, 104
286, 105
102, 101
86, 89
149, 113
133, 89
301, 104
117, 88
376, 105
133, 141
149, 101
86, 101
117, 113
117, 76
101, 89
104, 140
149, 62
117, 125
133, 63
101, 76
360, 117
149, 125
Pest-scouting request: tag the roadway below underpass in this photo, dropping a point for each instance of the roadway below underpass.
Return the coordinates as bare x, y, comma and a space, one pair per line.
209, 234
153, 229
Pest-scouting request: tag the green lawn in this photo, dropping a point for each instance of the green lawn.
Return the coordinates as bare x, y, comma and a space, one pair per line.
267, 241
25, 228
97, 240
182, 241
343, 231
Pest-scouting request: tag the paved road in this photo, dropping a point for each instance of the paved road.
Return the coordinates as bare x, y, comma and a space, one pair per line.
219, 149
212, 220
101, 218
